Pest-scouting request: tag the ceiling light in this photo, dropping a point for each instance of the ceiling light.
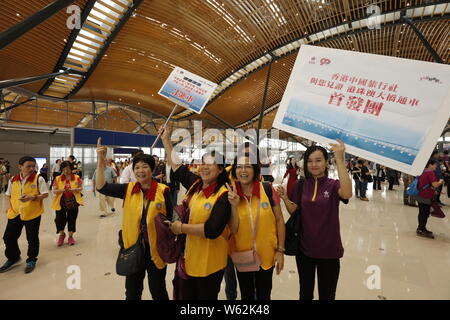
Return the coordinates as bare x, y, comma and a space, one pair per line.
18, 14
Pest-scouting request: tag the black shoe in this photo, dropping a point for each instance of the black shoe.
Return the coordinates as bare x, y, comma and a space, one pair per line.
30, 266
8, 265
426, 234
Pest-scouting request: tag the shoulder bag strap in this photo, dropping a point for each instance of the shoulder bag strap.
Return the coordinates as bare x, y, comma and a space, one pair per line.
144, 215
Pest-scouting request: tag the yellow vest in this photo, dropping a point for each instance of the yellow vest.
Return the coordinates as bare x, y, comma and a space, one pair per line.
132, 214
266, 237
56, 204
27, 210
205, 256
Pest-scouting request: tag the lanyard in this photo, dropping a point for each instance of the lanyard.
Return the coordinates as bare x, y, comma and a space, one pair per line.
254, 226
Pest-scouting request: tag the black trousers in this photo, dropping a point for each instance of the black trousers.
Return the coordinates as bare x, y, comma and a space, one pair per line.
424, 213
259, 282
202, 288
66, 216
375, 179
12, 234
134, 284
327, 275
377, 182
391, 183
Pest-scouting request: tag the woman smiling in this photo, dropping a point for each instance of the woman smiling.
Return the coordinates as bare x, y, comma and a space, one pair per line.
143, 200
257, 224
206, 249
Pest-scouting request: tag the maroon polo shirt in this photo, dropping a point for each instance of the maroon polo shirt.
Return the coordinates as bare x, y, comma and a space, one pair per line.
320, 235
426, 178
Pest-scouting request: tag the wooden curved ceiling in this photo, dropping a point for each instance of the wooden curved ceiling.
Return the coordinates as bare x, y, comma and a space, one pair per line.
214, 38
38, 50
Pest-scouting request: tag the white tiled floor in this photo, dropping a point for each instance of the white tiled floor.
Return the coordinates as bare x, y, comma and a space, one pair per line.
377, 233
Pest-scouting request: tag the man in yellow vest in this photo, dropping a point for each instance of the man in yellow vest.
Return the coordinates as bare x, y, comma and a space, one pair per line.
24, 199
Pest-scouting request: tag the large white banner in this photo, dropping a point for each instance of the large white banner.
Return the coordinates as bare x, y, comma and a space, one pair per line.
187, 89
388, 110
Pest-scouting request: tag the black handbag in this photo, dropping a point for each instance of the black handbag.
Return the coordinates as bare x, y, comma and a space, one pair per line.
132, 260
293, 226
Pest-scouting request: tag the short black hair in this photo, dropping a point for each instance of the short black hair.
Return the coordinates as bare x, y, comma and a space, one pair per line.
434, 152
219, 159
25, 159
135, 153
256, 167
65, 164
431, 162
445, 151
360, 161
308, 153
148, 159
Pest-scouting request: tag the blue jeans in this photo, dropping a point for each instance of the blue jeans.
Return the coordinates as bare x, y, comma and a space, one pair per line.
230, 281
363, 188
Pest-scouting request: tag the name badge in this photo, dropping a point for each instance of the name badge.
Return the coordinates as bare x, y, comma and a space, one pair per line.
265, 205
33, 186
207, 206
159, 205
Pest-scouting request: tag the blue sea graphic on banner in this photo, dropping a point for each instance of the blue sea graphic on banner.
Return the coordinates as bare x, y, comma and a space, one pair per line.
404, 144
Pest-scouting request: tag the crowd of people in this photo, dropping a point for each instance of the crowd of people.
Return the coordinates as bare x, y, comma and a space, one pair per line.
232, 214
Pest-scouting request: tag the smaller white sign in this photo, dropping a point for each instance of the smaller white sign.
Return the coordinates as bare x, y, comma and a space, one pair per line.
187, 90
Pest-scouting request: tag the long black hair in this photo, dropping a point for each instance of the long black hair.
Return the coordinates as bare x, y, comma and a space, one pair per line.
289, 164
308, 153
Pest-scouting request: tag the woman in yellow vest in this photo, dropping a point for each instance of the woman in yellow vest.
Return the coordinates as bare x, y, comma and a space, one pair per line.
67, 189
24, 207
142, 201
206, 248
256, 212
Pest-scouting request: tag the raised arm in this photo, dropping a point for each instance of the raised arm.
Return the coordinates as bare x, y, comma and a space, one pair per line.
345, 191
172, 158
100, 173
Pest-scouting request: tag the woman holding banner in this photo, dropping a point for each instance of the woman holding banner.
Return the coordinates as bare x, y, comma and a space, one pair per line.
206, 249
320, 240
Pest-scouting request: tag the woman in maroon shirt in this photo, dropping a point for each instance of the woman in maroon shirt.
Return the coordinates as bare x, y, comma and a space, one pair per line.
292, 171
320, 239
427, 185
